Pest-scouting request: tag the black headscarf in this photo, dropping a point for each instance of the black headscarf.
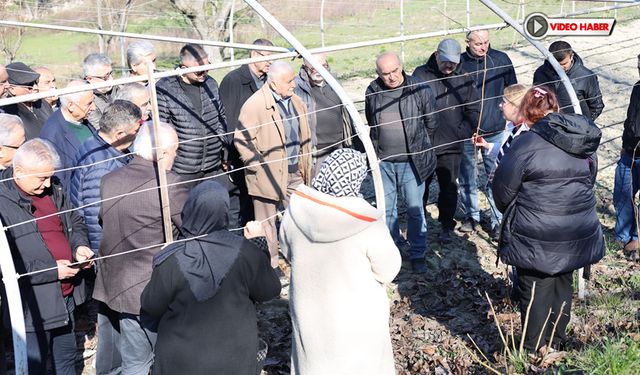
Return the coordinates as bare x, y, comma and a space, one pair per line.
206, 261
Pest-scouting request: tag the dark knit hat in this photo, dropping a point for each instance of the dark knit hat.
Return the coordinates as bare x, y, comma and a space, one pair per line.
20, 74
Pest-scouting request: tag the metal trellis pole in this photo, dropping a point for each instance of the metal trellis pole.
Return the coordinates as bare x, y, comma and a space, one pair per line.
14, 303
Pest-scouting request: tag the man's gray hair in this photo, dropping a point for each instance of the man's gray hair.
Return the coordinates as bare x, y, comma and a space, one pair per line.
93, 61
137, 51
129, 91
76, 96
277, 68
8, 125
119, 115
36, 152
143, 144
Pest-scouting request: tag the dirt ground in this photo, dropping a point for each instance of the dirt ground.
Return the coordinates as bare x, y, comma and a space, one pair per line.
435, 316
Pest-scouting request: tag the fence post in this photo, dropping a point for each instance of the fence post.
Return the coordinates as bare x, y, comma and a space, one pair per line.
230, 27
402, 30
322, 23
162, 173
468, 14
14, 303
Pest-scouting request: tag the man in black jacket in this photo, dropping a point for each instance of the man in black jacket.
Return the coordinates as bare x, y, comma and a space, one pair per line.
191, 104
22, 81
399, 111
458, 109
626, 180
55, 239
583, 80
236, 87
492, 71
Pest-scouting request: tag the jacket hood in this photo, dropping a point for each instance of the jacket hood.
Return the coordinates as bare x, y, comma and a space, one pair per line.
575, 134
205, 261
346, 216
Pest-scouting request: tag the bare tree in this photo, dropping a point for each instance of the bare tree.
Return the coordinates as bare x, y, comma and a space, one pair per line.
209, 20
11, 37
112, 15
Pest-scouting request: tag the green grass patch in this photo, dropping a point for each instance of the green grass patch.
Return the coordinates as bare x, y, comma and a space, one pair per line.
619, 356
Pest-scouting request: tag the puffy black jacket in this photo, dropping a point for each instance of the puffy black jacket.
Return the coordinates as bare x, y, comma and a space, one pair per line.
457, 105
416, 108
499, 74
42, 301
584, 82
544, 186
200, 150
631, 133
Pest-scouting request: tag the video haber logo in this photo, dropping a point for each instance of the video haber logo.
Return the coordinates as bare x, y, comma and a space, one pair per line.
538, 26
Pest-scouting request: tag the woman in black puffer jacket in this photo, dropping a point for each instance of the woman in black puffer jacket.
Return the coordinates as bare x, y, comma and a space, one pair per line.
544, 187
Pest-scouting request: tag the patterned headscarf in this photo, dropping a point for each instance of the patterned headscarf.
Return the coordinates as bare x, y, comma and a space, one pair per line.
341, 174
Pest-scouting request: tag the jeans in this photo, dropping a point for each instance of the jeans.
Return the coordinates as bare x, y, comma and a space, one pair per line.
447, 170
469, 181
60, 341
625, 187
125, 343
403, 176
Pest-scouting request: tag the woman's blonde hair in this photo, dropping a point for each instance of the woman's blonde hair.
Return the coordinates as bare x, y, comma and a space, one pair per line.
515, 93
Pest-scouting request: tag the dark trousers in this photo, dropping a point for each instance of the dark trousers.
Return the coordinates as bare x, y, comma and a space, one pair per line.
225, 181
60, 341
550, 293
447, 171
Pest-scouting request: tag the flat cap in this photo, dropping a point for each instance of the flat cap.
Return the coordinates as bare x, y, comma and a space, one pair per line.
20, 74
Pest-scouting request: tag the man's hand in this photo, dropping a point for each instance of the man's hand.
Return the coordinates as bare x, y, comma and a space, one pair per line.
84, 254
253, 229
64, 271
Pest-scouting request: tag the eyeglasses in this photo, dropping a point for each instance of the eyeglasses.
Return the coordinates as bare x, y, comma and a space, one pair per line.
30, 88
11, 147
104, 77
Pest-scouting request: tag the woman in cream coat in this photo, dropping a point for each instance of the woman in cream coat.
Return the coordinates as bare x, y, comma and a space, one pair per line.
341, 255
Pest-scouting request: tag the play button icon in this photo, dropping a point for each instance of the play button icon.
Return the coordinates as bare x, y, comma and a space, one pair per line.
536, 25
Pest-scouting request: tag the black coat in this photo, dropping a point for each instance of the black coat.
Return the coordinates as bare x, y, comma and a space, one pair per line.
499, 74
236, 87
416, 108
584, 82
44, 307
544, 186
202, 293
203, 151
457, 105
631, 133
32, 121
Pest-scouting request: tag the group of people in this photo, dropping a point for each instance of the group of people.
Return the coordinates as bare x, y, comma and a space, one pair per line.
273, 153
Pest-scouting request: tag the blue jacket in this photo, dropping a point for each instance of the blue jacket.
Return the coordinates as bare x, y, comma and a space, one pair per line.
56, 130
85, 182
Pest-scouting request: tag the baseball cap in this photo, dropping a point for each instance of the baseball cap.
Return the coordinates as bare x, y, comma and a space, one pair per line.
449, 50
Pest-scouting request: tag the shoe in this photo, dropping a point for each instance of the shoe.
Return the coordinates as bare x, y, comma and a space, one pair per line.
468, 226
445, 236
418, 266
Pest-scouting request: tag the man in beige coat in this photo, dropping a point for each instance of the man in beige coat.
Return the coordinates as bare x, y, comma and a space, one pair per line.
274, 142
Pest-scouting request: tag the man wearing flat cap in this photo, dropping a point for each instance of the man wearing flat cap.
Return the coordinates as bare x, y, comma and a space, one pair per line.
22, 81
458, 110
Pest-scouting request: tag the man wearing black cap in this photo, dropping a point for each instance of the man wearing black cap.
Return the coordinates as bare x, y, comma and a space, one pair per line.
22, 81
458, 110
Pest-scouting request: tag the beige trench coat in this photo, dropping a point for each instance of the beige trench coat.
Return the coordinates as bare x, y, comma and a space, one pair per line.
260, 140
